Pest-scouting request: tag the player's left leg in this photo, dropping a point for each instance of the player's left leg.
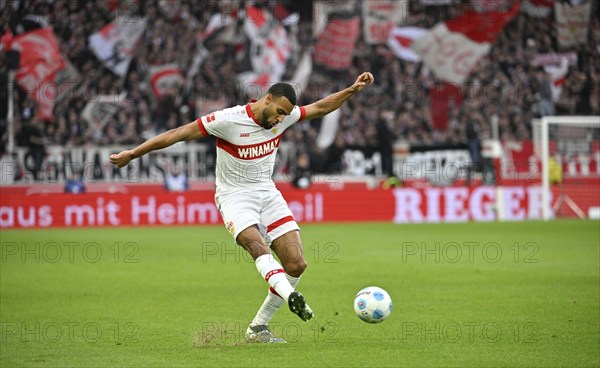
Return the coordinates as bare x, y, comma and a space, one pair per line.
288, 248
283, 233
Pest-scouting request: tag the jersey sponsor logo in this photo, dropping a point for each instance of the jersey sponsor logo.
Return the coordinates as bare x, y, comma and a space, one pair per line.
258, 150
249, 152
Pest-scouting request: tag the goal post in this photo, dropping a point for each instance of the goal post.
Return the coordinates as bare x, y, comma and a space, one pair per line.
572, 141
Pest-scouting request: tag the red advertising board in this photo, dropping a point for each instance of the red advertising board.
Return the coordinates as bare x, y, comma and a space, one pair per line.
151, 205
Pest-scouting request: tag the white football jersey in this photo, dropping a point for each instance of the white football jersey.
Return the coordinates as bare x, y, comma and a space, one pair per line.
245, 150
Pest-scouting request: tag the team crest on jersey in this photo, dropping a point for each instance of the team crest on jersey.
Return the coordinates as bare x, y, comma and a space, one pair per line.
230, 227
274, 130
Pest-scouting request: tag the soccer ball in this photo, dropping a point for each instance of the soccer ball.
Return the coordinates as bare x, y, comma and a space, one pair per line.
373, 304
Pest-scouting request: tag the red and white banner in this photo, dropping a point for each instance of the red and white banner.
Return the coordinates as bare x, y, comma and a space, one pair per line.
115, 43
44, 72
400, 40
335, 46
152, 205
557, 75
380, 17
268, 51
453, 48
519, 160
537, 8
572, 23
554, 59
163, 77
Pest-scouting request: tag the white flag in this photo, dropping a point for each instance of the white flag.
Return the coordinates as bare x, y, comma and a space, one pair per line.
557, 75
115, 43
103, 108
380, 17
302, 74
400, 40
537, 8
572, 23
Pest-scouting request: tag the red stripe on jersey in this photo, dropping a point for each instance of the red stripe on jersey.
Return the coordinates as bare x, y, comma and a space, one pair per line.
279, 222
273, 272
302, 113
201, 127
251, 115
251, 151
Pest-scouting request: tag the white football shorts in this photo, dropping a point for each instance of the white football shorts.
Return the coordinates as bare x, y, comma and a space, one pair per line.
265, 208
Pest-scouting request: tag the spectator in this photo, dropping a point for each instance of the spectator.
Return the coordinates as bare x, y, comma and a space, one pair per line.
75, 185
34, 136
546, 105
172, 33
176, 180
473, 130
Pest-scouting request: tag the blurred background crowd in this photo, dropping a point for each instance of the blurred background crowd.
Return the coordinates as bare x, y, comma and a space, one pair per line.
396, 108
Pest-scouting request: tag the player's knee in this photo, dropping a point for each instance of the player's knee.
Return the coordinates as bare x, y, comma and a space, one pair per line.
295, 269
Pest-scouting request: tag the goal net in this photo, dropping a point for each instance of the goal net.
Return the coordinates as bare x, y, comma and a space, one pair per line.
568, 148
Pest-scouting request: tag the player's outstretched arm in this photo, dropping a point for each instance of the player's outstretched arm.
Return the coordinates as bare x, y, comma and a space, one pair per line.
166, 139
335, 100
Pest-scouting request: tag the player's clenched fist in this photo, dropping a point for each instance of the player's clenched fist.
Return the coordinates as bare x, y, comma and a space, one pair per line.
122, 158
362, 81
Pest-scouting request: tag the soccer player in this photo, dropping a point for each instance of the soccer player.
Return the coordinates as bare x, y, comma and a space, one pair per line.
253, 210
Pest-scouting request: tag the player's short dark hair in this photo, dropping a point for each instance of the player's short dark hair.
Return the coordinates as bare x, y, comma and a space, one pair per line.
283, 90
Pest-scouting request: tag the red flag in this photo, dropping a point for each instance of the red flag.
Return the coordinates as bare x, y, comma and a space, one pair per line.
335, 47
453, 48
7, 39
40, 65
442, 98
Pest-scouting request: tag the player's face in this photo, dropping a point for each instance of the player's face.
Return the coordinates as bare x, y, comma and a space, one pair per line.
276, 110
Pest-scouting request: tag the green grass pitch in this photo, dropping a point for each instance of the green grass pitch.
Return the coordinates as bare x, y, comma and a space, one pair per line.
472, 295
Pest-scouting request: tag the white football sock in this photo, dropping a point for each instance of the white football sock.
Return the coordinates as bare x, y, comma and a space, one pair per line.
274, 274
271, 304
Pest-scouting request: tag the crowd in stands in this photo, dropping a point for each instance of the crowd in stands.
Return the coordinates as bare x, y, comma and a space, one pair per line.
395, 108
